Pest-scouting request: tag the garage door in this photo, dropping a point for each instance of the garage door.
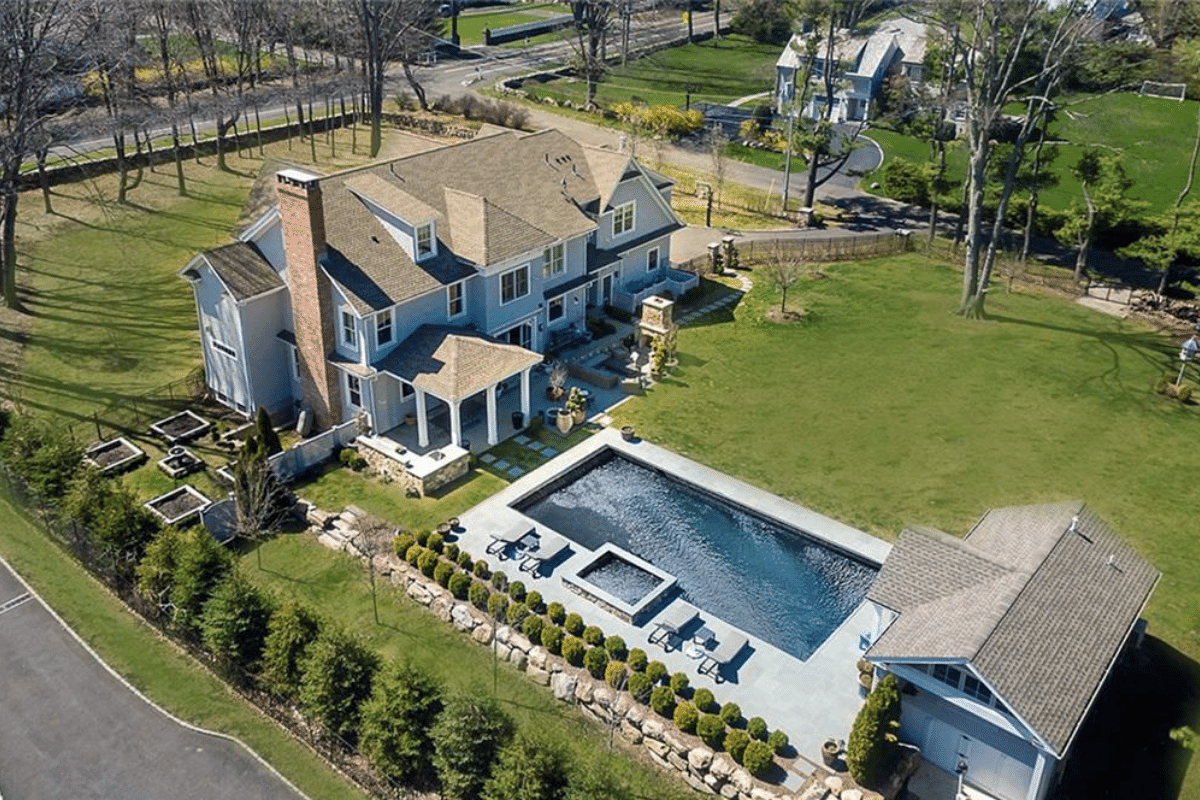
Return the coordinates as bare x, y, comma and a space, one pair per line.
988, 768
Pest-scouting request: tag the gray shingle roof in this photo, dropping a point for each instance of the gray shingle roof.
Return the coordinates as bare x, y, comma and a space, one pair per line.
454, 363
494, 197
1039, 610
243, 269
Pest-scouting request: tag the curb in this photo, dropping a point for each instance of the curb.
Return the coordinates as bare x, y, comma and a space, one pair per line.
121, 678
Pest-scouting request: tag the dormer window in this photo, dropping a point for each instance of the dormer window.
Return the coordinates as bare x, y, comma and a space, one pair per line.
383, 327
424, 240
622, 219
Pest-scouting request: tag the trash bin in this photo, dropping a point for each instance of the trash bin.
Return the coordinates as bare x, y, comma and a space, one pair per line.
518, 420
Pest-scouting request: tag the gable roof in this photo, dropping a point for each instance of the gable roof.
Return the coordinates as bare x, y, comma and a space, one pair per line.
453, 363
243, 269
1038, 599
493, 198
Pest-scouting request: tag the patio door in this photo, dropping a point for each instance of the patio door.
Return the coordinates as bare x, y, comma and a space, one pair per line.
520, 335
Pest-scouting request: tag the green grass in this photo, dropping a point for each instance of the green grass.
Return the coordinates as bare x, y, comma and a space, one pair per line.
169, 677
719, 70
296, 566
1153, 136
471, 25
885, 408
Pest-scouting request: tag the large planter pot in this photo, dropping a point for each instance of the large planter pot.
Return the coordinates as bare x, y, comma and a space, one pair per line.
553, 394
579, 416
829, 752
564, 421
627, 433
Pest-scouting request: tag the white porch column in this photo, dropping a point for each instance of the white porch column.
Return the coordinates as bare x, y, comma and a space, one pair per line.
455, 423
525, 393
422, 420
493, 435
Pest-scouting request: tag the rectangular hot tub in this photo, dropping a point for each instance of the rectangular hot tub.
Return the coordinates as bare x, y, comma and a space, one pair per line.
621, 583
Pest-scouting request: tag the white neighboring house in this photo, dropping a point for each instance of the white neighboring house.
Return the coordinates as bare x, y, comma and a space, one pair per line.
862, 63
1003, 640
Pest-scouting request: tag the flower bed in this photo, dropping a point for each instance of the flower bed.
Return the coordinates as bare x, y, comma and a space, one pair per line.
181, 427
114, 455
178, 505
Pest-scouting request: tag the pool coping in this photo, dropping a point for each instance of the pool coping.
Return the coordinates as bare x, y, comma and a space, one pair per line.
634, 613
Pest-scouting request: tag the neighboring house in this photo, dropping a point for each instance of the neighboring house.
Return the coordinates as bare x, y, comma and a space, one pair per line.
1003, 640
407, 285
896, 47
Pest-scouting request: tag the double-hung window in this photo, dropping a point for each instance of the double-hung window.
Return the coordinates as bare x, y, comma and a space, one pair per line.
349, 331
555, 309
552, 261
456, 302
354, 391
514, 284
652, 259
383, 327
424, 240
623, 219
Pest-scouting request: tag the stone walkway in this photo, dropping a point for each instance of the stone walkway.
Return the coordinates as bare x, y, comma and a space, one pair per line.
745, 285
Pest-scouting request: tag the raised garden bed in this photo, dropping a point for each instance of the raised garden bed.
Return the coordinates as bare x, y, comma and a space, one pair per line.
178, 505
114, 455
179, 461
181, 427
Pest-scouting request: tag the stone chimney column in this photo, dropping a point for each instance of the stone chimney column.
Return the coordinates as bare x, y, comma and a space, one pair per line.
303, 218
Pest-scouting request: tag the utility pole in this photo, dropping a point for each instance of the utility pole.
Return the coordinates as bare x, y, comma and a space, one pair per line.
626, 13
787, 161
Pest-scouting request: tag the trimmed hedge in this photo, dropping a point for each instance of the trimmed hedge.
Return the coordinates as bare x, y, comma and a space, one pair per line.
616, 648
573, 649
497, 606
615, 674
481, 570
593, 635
656, 671
757, 728
711, 730
686, 717
534, 601
401, 544
500, 581
442, 572
517, 614
871, 746
460, 585
704, 701
552, 639
732, 714
662, 700
573, 624
735, 744
595, 661
556, 613
428, 562
758, 757
637, 660
679, 683
413, 554
435, 542
639, 686
778, 740
478, 594
532, 628
516, 590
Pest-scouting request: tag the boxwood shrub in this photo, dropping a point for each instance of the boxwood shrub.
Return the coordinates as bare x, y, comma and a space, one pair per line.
573, 624
556, 613
428, 562
732, 714
532, 628
422, 537
593, 635
778, 740
757, 728
596, 661
516, 590
662, 700
478, 594
656, 671
711, 730
616, 648
450, 551
500, 580
758, 757
516, 615
481, 570
465, 560
615, 674
413, 554
686, 717
573, 649
679, 684
552, 639
497, 605
442, 572
534, 601
637, 660
401, 544
639, 687
704, 700
735, 744
459, 585
435, 542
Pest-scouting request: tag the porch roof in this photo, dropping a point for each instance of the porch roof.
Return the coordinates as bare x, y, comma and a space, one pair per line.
453, 363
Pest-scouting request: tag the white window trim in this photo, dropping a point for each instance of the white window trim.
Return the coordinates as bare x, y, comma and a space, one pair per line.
417, 241
224, 349
462, 299
380, 318
554, 254
657, 259
351, 382
619, 212
348, 335
528, 286
560, 301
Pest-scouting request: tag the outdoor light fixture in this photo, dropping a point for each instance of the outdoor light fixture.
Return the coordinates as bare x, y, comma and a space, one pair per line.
1186, 354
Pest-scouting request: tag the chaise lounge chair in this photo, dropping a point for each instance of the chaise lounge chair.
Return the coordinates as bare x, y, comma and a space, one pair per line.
534, 559
507, 538
726, 650
667, 627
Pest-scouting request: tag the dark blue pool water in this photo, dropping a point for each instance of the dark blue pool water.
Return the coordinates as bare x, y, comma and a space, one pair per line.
768, 580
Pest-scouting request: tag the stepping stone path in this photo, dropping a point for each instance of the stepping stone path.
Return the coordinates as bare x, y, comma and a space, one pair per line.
487, 458
522, 439
502, 465
716, 305
516, 472
549, 452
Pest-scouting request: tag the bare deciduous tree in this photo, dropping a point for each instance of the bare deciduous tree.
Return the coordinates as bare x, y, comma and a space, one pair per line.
782, 270
593, 20
260, 499
374, 539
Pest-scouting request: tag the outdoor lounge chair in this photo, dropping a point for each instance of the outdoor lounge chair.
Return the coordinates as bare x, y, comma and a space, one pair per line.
667, 627
534, 559
726, 650
508, 537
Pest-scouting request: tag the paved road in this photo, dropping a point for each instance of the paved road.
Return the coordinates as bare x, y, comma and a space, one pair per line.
70, 729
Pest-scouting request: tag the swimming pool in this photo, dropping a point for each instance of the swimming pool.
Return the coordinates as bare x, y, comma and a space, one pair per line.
769, 580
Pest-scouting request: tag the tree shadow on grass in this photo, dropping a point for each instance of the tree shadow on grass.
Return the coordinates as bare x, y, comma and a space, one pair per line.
1123, 748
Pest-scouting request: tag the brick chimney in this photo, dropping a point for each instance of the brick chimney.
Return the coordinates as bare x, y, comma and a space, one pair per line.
303, 217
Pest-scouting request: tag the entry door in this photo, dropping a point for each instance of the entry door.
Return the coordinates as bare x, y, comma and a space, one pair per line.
607, 290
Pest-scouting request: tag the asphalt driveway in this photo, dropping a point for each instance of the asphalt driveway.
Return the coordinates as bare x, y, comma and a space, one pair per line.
70, 729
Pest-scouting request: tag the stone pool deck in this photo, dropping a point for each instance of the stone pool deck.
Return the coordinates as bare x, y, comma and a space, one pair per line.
810, 700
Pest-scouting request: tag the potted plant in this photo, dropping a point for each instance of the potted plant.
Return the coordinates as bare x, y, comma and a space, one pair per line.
627, 433
410, 418
577, 405
830, 750
564, 420
558, 379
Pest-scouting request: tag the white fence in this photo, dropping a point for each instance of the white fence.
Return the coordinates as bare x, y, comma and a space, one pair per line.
307, 454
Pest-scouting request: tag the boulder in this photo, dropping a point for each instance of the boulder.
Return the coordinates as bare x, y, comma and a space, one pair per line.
835, 784
657, 748
677, 741
503, 634
537, 657
441, 606
813, 790
622, 705
676, 761
713, 781
699, 758
636, 714
563, 686
482, 634
728, 791
583, 692
852, 794
741, 779
631, 733
538, 674
461, 617
602, 696
722, 766
697, 784
518, 658
652, 729
520, 642
502, 651
759, 793
419, 593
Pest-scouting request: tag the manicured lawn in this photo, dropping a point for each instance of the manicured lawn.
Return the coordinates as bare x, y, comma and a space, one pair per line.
166, 675
335, 583
1153, 136
717, 70
885, 409
471, 25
